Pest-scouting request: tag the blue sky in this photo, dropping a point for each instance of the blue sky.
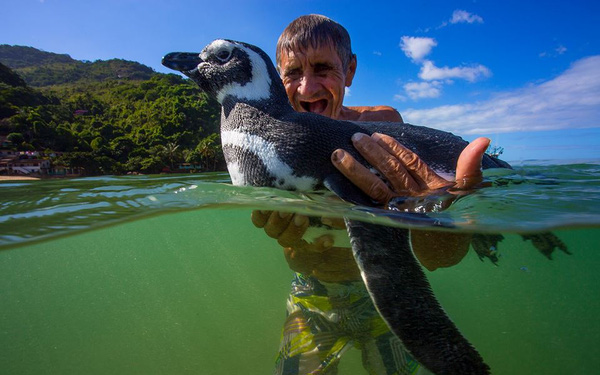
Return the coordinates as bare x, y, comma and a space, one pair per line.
524, 73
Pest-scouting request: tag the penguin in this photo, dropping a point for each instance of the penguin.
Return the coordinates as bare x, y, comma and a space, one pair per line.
267, 143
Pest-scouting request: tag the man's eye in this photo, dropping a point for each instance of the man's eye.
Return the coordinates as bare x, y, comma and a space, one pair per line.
322, 69
293, 74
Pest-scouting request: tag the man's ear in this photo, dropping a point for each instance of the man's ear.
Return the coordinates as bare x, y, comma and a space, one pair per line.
350, 71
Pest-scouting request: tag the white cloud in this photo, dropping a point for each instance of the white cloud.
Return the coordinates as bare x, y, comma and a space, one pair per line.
347, 91
416, 47
462, 16
422, 90
377, 53
473, 73
571, 100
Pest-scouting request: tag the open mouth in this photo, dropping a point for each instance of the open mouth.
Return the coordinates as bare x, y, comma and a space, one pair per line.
318, 106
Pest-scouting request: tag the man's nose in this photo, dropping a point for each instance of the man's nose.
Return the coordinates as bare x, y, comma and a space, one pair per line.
308, 85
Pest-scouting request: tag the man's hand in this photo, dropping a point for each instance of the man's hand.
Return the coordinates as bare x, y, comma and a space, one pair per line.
408, 175
319, 258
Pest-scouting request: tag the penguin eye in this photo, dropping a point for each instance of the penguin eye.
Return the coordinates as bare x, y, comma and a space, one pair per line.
223, 55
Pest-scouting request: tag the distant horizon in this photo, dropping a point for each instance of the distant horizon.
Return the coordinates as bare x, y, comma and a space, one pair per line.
539, 162
533, 88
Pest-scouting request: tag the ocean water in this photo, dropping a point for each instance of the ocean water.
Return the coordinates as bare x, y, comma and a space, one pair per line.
167, 275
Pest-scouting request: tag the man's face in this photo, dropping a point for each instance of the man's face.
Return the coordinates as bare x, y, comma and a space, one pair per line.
315, 79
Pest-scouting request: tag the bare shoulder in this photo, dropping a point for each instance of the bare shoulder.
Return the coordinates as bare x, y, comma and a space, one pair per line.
375, 113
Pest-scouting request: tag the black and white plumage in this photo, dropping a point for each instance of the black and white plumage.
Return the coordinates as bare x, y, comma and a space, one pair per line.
267, 143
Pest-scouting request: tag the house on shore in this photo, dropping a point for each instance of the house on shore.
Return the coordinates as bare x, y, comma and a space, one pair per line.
33, 163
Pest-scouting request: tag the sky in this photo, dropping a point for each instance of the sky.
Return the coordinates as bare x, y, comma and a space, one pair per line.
525, 74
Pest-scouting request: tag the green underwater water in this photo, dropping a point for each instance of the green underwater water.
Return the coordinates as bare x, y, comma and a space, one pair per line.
174, 279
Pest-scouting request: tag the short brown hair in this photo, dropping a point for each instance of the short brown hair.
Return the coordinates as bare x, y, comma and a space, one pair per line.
315, 30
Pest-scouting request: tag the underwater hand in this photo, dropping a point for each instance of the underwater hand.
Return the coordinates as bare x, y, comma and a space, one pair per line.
334, 264
289, 228
318, 258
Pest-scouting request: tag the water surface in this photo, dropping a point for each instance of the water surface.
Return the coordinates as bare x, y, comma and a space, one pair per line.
166, 274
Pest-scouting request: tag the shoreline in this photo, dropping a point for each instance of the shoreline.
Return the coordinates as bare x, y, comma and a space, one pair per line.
18, 178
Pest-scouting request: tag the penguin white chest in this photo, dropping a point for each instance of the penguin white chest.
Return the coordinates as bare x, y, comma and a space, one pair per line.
266, 152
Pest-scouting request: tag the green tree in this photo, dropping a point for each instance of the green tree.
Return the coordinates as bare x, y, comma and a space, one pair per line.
209, 150
171, 153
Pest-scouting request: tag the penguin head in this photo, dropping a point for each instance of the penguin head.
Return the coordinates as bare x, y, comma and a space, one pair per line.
227, 68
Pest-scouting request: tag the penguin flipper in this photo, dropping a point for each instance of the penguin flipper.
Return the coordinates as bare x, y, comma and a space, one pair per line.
343, 188
403, 297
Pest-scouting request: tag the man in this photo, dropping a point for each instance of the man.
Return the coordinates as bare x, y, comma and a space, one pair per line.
329, 309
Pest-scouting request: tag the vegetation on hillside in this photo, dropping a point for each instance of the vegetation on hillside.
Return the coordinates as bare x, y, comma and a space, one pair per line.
109, 117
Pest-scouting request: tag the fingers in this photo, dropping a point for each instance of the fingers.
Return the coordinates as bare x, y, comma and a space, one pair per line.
385, 162
292, 234
322, 243
259, 218
285, 227
277, 223
288, 229
468, 168
360, 176
424, 177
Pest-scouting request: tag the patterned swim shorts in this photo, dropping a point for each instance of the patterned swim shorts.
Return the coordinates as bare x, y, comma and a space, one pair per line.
324, 320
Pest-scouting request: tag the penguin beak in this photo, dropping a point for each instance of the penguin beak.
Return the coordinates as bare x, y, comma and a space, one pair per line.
182, 61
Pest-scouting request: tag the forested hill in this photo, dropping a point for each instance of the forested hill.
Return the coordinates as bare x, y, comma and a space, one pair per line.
40, 68
112, 116
22, 57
